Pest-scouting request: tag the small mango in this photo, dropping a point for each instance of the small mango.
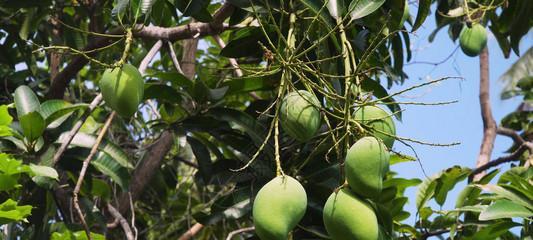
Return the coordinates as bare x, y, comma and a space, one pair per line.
473, 39
278, 207
122, 89
379, 121
346, 217
299, 115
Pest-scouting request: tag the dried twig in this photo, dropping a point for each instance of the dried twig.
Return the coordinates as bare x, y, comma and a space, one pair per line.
239, 231
120, 219
76, 128
174, 58
191, 232
489, 124
84, 167
509, 158
149, 56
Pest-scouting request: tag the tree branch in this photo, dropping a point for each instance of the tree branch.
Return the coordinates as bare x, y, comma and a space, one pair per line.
191, 232
509, 158
489, 124
174, 58
239, 231
510, 133
76, 128
143, 173
123, 223
189, 31
149, 56
83, 171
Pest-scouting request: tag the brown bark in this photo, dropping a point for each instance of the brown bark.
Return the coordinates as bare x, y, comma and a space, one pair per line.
144, 172
192, 30
188, 60
489, 124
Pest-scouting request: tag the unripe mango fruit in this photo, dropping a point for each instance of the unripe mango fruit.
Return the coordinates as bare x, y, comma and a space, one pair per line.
346, 217
278, 207
473, 40
379, 121
122, 89
367, 162
299, 115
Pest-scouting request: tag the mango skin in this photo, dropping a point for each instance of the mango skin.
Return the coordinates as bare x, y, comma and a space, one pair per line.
122, 89
367, 162
299, 116
278, 207
346, 217
473, 40
379, 121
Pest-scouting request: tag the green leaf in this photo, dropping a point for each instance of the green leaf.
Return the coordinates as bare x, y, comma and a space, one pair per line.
449, 178
11, 212
146, 5
503, 193
44, 171
195, 8
203, 157
245, 42
162, 93
423, 11
250, 84
492, 231
319, 8
504, 209
396, 158
5, 118
11, 166
26, 25
87, 141
55, 112
426, 190
8, 182
33, 125
111, 168
362, 8
26, 101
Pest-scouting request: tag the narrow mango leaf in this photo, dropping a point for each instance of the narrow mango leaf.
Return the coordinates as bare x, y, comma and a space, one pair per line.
449, 178
423, 12
503, 193
333, 8
33, 125
56, 111
26, 101
319, 8
362, 8
146, 5
87, 141
26, 25
504, 209
111, 168
43, 171
425, 192
395, 159
205, 165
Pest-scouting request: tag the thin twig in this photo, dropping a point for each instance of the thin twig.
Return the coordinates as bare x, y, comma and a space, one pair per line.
509, 158
174, 58
191, 232
239, 231
120, 219
489, 124
149, 56
86, 162
76, 128
510, 133
234, 64
133, 216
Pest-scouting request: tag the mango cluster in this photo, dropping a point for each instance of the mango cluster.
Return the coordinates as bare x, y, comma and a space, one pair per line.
349, 213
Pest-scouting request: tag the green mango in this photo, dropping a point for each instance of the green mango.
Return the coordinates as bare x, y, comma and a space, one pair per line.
379, 121
122, 89
473, 40
278, 207
367, 162
299, 116
346, 217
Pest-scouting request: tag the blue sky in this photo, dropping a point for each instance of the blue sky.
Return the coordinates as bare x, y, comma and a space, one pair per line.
459, 122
